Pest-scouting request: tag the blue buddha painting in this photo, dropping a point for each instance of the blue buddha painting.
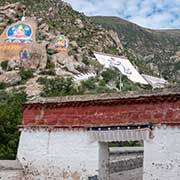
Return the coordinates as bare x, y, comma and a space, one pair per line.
24, 55
20, 33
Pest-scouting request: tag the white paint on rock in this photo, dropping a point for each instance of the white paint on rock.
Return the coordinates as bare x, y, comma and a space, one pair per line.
162, 155
58, 155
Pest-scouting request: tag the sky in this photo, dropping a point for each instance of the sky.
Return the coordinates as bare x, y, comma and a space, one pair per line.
155, 14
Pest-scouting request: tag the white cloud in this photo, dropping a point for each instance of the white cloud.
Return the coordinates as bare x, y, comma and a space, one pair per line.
156, 14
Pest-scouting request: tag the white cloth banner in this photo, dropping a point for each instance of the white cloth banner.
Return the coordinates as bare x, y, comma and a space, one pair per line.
123, 64
155, 82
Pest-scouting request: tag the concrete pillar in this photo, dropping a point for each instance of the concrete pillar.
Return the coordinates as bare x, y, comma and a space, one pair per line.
58, 155
162, 154
104, 161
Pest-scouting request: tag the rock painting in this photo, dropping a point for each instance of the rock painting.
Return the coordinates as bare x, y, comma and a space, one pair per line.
61, 43
18, 43
20, 33
24, 55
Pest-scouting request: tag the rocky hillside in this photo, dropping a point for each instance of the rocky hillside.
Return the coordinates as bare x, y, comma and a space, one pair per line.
56, 17
158, 50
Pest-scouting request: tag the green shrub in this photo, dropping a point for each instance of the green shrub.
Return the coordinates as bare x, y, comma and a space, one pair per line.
85, 60
49, 72
10, 118
89, 84
3, 95
111, 50
110, 74
57, 87
94, 86
2, 85
50, 64
26, 75
4, 65
50, 51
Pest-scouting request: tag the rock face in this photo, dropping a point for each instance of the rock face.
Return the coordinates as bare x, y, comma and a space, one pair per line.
18, 32
38, 56
19, 46
13, 11
13, 64
63, 61
15, 38
116, 39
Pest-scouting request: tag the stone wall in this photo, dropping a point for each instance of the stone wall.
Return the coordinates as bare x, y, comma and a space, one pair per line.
125, 158
125, 165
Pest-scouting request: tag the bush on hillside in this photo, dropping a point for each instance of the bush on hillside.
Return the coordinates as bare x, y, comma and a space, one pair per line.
57, 87
26, 74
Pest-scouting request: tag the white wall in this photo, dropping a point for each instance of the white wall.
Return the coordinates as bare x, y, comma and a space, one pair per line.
58, 155
162, 155
104, 173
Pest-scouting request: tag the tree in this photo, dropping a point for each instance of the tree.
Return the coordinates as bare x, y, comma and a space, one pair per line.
10, 118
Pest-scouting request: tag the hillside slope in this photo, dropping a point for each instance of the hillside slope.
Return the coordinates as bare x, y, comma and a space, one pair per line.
55, 17
159, 50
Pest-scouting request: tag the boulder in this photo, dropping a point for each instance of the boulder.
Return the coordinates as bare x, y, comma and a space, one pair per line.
64, 61
38, 56
79, 23
74, 44
44, 27
13, 64
11, 77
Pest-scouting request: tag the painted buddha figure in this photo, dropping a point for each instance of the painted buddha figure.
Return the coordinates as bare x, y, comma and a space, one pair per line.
61, 43
19, 32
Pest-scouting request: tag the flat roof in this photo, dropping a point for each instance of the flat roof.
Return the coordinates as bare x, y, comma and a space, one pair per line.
107, 96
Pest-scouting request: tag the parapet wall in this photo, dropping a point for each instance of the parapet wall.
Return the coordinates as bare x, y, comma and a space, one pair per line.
11, 170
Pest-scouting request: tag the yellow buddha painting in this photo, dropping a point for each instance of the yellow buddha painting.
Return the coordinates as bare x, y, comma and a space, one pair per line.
61, 43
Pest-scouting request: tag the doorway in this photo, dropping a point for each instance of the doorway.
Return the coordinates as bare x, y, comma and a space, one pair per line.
120, 151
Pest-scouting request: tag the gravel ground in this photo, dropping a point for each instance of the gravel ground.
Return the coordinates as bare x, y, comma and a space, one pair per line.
135, 174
